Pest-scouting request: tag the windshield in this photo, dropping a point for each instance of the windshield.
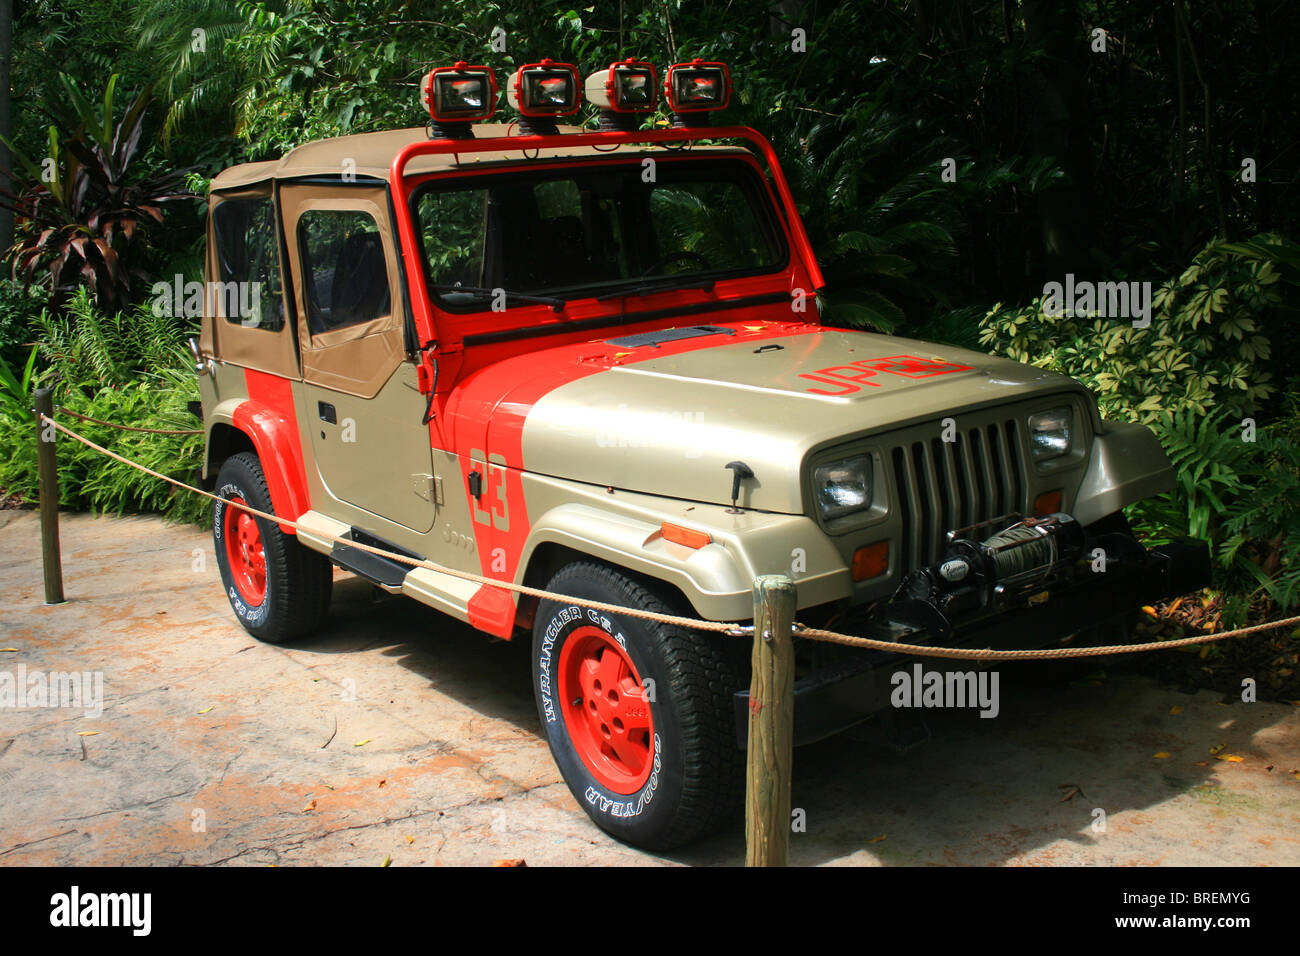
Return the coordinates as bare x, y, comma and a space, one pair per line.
570, 233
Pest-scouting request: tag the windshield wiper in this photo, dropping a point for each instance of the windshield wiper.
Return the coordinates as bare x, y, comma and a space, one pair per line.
557, 305
647, 287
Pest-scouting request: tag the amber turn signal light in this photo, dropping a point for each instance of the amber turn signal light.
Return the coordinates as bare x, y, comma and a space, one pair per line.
871, 561
688, 537
1048, 503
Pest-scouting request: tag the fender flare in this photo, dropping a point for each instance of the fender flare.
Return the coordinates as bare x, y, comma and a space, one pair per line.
1125, 465
717, 579
274, 439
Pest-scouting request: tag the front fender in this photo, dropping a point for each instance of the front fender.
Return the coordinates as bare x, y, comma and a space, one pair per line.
275, 440
624, 530
1126, 465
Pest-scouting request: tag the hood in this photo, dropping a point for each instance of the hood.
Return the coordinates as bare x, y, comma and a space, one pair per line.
666, 419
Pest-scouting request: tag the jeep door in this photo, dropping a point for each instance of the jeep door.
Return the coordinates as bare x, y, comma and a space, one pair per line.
361, 402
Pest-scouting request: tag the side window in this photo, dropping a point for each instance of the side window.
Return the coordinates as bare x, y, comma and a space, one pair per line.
248, 272
343, 267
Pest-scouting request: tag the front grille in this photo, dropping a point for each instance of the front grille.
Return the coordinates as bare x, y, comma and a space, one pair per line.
945, 485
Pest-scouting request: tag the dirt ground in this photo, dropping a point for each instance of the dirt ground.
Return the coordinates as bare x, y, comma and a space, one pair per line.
398, 734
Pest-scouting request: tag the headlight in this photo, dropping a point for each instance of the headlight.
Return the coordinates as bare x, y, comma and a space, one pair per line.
1050, 433
843, 486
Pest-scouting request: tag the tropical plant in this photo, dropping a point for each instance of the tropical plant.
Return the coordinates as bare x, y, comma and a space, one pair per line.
1205, 348
131, 368
16, 387
82, 211
87, 348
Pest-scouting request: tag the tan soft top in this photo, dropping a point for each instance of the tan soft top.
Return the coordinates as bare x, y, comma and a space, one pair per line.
371, 155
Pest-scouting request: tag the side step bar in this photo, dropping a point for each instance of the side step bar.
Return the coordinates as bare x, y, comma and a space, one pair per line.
385, 572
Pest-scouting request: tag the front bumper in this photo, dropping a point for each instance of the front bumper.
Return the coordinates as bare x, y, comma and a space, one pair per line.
858, 684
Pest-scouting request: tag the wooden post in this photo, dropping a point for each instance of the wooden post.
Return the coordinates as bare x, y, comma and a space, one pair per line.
47, 458
771, 724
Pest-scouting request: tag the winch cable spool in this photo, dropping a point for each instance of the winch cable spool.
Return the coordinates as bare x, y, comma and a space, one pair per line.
1021, 549
982, 654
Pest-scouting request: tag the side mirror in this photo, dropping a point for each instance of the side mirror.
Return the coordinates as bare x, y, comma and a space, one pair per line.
200, 363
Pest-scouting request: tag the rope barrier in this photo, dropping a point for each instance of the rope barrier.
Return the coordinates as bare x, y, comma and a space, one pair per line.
130, 428
735, 630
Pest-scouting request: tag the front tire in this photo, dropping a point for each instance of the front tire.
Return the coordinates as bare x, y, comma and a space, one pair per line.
279, 590
638, 715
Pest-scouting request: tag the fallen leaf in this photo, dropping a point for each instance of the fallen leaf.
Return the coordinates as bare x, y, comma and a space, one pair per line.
1202, 763
878, 839
11, 650
1161, 755
87, 733
410, 839
205, 710
1175, 710
1231, 758
1149, 610
310, 807
387, 860
382, 782
509, 863
361, 743
1216, 748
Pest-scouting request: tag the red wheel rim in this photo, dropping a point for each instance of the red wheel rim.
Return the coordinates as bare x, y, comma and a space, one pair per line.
245, 553
605, 710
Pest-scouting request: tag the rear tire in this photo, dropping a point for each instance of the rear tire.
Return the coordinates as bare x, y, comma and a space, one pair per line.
279, 590
655, 770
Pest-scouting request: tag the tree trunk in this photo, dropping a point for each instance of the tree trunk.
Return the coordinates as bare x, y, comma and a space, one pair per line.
6, 159
1067, 208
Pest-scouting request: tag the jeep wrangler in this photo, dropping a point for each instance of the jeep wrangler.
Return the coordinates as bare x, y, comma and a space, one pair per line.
590, 361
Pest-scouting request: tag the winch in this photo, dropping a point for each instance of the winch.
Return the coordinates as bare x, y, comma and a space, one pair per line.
1010, 568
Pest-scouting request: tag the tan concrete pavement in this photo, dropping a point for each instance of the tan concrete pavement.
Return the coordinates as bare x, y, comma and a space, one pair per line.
399, 733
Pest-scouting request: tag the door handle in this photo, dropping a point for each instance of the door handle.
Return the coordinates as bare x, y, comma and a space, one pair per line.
327, 413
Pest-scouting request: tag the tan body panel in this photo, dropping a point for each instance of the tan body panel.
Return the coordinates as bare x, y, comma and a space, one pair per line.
624, 529
669, 427
1125, 466
375, 451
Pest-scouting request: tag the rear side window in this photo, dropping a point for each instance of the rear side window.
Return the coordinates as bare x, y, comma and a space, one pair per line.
248, 271
344, 268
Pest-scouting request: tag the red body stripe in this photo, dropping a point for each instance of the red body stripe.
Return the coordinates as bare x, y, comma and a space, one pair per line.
269, 419
488, 410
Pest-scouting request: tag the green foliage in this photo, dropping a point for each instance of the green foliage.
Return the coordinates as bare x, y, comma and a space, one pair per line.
131, 368
90, 480
1201, 367
16, 386
1237, 494
1204, 351
83, 209
88, 349
20, 306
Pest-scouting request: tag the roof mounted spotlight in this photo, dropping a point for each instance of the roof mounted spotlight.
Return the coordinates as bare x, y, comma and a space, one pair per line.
541, 92
458, 96
695, 89
623, 92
